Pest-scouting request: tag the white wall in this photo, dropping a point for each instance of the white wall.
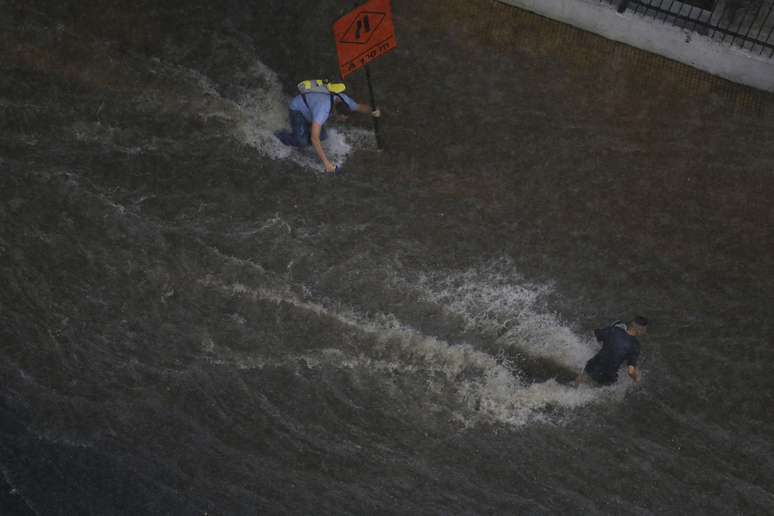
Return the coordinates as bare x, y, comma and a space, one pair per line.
687, 47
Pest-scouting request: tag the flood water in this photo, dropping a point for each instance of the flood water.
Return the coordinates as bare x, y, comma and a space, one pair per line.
194, 319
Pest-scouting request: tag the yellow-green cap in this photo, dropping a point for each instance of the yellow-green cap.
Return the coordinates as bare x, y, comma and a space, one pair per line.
336, 87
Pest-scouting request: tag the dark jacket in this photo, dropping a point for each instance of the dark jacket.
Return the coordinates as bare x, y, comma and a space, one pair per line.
617, 347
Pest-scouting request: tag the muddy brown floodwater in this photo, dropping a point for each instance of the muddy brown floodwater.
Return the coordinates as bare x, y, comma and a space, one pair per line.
194, 320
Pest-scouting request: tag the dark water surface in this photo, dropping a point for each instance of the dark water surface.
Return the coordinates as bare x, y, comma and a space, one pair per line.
194, 320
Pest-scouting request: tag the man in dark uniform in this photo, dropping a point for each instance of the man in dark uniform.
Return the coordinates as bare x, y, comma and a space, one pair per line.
619, 345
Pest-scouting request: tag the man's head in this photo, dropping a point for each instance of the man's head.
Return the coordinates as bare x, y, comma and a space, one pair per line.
638, 326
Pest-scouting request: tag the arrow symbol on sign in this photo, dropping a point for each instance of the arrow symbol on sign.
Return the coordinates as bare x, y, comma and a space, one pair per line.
359, 26
364, 26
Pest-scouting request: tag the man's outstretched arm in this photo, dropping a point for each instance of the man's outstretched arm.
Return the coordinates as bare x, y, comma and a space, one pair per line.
316, 128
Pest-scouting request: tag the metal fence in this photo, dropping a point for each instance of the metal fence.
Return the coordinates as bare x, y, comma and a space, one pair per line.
748, 24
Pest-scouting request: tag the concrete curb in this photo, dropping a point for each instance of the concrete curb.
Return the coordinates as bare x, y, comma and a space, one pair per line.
691, 48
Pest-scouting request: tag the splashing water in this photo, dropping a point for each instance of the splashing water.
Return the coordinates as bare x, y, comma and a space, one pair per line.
481, 387
494, 303
264, 111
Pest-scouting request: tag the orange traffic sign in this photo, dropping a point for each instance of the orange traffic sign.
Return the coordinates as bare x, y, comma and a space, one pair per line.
363, 35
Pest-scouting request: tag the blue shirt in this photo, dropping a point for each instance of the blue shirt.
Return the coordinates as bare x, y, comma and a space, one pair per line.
617, 347
320, 104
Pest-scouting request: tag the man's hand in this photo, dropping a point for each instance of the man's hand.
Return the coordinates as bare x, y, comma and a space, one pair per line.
366, 109
330, 167
634, 373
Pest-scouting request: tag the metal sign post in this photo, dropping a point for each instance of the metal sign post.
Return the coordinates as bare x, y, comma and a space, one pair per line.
377, 135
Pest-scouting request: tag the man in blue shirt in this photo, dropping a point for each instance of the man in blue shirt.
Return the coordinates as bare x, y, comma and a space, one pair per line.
308, 113
619, 345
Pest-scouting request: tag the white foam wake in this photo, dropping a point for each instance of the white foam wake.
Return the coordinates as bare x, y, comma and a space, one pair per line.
498, 304
482, 388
